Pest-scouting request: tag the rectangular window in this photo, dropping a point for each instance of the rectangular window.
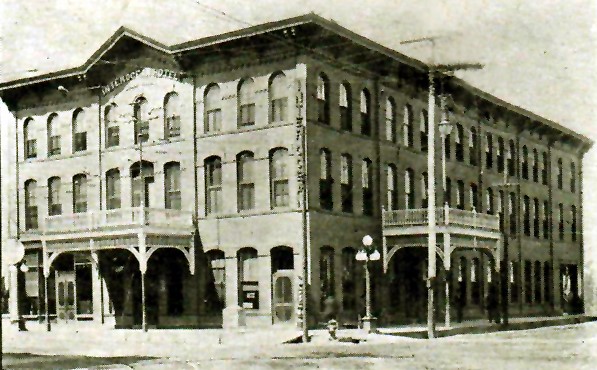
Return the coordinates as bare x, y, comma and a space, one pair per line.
561, 220
460, 195
367, 181
279, 107
55, 207
247, 114
31, 218
346, 183
173, 126
113, 191
214, 120
489, 152
213, 184
172, 189
113, 136
326, 199
546, 220
80, 141
31, 148
80, 194
54, 147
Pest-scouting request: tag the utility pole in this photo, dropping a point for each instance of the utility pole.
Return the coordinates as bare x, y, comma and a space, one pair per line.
439, 70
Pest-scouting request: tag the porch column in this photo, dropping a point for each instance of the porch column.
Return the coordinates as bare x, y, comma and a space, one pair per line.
96, 286
447, 275
143, 269
46, 272
232, 316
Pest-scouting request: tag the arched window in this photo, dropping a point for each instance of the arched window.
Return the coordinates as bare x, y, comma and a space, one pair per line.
213, 185
536, 229
447, 146
171, 115
246, 103
392, 187
54, 204
365, 112
79, 131
326, 199
245, 181
546, 214
323, 99
346, 182
500, 154
248, 278
544, 165
489, 201
112, 127
460, 194
407, 129
280, 196
526, 211
424, 188
213, 109
474, 197
573, 222
459, 143
29, 139
525, 162
53, 135
113, 189
31, 205
448, 192
423, 129
512, 210
367, 182
141, 180
172, 185
326, 274
278, 97
217, 262
349, 272
488, 151
409, 188
511, 156
472, 147
560, 174
80, 193
572, 177
390, 120
345, 106
535, 165
141, 120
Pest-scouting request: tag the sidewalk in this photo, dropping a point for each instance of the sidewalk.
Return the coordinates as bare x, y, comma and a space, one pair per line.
87, 339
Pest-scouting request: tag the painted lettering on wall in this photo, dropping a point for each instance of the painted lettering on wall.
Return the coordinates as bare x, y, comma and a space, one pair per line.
147, 72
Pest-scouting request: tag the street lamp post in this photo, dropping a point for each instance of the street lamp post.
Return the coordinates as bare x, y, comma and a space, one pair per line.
368, 253
445, 127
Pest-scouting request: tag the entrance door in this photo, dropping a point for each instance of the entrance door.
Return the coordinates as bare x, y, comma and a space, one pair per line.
65, 296
283, 297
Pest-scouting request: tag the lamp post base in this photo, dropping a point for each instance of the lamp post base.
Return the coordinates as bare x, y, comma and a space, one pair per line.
369, 324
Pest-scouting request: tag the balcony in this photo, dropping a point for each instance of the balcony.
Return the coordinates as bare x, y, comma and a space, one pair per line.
166, 219
443, 216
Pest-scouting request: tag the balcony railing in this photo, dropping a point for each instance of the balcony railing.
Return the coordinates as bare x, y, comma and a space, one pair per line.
443, 216
121, 217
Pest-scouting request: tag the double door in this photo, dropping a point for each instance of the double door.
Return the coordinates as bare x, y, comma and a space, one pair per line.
283, 296
66, 304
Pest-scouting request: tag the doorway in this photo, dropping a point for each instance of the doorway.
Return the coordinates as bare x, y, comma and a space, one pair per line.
66, 306
283, 296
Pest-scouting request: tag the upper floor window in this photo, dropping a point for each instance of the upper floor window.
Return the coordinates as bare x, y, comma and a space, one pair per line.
447, 146
392, 184
346, 182
213, 109
171, 115
474, 197
54, 204
141, 120
407, 129
459, 144
323, 99
423, 129
390, 120
488, 151
572, 177
560, 174
142, 176
460, 194
213, 185
345, 105
472, 147
561, 221
246, 102
536, 229
500, 154
53, 135
546, 214
409, 188
79, 131
79, 193
511, 156
424, 188
31, 215
448, 192
326, 199
246, 181
525, 162
573, 222
29, 139
112, 127
172, 185
526, 212
278, 97
367, 182
113, 189
365, 113
279, 178
535, 165
489, 201
512, 209
544, 165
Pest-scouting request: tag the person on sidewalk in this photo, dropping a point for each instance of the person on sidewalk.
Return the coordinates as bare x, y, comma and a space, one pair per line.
459, 303
491, 303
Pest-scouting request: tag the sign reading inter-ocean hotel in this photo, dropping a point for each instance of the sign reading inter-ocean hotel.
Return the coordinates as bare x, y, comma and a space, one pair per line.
146, 72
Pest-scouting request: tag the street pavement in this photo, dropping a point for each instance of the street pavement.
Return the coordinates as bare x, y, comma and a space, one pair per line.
559, 347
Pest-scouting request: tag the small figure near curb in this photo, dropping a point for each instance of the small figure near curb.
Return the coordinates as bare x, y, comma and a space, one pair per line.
332, 329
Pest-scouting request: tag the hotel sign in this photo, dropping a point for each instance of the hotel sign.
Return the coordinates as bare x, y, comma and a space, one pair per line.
146, 72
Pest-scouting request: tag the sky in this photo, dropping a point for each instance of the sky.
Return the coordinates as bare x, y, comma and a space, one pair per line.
539, 55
